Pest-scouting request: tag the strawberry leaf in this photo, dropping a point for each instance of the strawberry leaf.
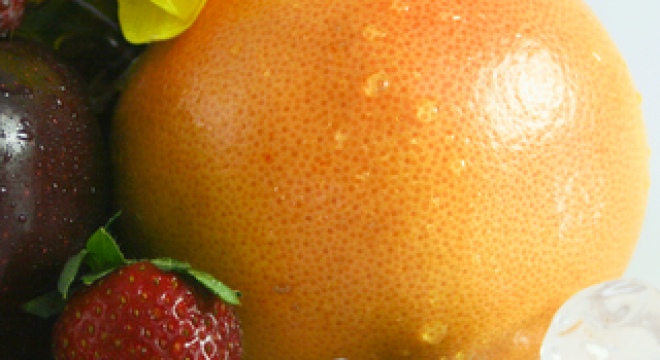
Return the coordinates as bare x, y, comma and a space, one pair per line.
69, 273
103, 256
112, 219
223, 291
89, 279
45, 305
104, 252
207, 280
169, 264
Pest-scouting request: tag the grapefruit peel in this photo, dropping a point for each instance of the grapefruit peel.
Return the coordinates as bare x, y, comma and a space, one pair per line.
145, 21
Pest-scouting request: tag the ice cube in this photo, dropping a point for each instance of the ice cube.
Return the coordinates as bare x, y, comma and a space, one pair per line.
615, 320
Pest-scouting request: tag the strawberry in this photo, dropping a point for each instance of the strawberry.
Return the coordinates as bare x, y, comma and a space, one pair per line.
151, 309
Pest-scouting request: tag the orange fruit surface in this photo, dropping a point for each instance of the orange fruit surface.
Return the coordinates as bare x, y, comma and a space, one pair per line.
387, 179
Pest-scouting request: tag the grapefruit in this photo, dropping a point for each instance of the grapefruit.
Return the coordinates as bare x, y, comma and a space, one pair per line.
387, 179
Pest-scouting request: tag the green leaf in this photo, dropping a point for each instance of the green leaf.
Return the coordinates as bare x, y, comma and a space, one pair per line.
103, 256
223, 291
169, 264
104, 252
69, 272
89, 279
112, 219
45, 305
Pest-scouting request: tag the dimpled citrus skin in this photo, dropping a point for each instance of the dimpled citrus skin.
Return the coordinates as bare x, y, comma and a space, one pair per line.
387, 179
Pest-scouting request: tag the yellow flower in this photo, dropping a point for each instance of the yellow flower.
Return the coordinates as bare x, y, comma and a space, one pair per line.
144, 21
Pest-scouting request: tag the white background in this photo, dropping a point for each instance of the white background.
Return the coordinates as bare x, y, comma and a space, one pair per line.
635, 27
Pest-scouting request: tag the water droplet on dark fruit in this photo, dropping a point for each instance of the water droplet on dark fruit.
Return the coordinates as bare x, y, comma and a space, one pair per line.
38, 142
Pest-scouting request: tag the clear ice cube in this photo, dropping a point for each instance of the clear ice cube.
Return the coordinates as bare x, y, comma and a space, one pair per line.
615, 320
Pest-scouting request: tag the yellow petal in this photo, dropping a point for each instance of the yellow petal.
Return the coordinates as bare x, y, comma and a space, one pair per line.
144, 21
168, 6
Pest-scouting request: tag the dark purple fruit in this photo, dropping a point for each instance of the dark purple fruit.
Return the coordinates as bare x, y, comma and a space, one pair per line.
11, 14
54, 188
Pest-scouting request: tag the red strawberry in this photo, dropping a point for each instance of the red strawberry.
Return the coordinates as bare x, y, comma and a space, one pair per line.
151, 309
